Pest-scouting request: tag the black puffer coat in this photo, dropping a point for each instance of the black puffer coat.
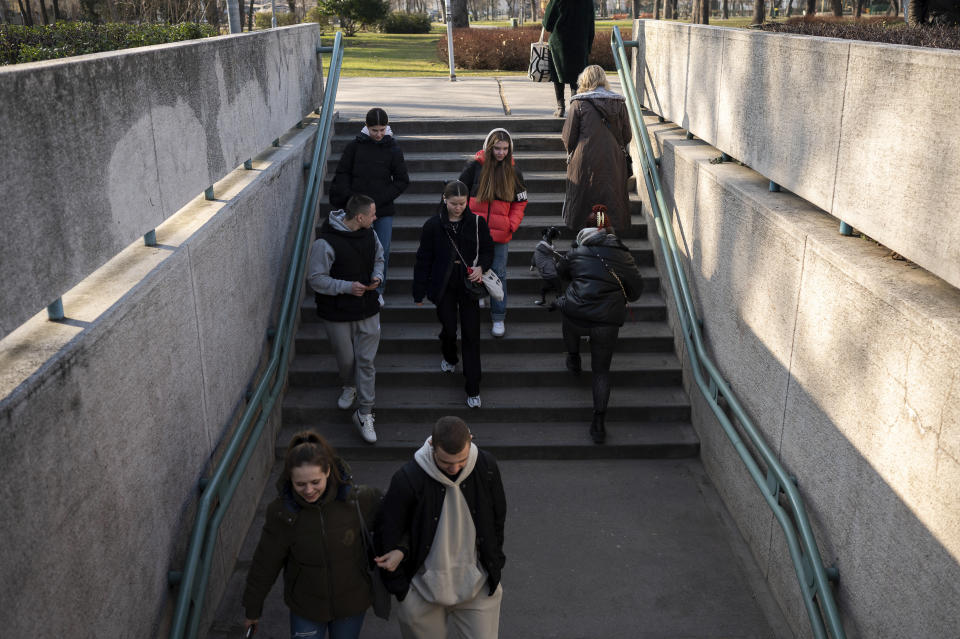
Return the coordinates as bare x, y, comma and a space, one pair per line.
436, 255
374, 169
595, 296
319, 548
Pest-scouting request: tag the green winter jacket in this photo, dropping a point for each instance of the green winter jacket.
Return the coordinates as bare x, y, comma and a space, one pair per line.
570, 23
320, 550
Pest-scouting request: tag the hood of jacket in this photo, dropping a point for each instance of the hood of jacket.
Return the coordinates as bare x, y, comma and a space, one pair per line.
364, 136
336, 222
605, 100
424, 459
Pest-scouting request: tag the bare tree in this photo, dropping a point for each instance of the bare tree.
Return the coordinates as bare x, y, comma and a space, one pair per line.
250, 17
458, 9
758, 12
789, 8
837, 6
811, 9
26, 12
669, 9
656, 9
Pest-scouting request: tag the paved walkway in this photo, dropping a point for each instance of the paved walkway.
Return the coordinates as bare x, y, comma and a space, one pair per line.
468, 97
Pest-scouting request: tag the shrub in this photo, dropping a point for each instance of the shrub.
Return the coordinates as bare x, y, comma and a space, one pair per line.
318, 15
401, 22
355, 13
875, 29
261, 19
509, 49
20, 43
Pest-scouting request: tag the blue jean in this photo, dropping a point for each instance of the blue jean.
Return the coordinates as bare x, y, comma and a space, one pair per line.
383, 227
343, 628
498, 310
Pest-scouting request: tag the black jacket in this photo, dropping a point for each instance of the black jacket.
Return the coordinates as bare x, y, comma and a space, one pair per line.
435, 256
411, 511
603, 277
374, 169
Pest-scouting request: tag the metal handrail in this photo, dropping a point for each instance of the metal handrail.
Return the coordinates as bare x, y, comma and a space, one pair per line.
812, 576
219, 489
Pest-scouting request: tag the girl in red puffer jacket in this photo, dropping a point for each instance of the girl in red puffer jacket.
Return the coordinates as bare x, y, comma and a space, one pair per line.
498, 195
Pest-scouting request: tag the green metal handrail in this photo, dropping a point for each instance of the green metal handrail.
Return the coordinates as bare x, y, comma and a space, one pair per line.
219, 489
812, 576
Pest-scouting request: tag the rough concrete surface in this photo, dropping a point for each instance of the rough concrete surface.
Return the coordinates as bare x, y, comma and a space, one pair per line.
586, 557
863, 131
107, 146
848, 361
105, 441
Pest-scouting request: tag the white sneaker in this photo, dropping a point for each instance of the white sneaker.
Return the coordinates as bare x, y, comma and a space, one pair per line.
381, 300
498, 329
480, 302
347, 397
364, 424
473, 402
446, 366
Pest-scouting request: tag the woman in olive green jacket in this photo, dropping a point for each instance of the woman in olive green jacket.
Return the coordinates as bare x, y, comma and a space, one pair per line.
312, 532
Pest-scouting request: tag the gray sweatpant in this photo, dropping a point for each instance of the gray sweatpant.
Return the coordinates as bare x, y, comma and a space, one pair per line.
354, 346
478, 618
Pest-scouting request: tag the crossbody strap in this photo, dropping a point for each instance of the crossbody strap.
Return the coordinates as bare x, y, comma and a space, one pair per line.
606, 122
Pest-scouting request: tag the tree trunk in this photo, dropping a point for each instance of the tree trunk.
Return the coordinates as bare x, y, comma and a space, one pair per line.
918, 12
668, 10
458, 10
789, 7
26, 11
43, 12
838, 8
250, 17
704, 12
811, 9
656, 9
758, 12
857, 9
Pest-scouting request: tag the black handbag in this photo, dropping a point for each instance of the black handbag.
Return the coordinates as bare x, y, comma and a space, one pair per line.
379, 596
476, 290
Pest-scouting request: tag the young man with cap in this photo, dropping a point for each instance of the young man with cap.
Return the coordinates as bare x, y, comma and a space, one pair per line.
346, 266
442, 529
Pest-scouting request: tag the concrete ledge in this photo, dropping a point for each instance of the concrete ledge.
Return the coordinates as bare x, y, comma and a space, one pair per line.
102, 148
848, 361
110, 418
863, 131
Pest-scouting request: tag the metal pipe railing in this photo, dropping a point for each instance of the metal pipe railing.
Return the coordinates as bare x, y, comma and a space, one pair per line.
812, 576
218, 490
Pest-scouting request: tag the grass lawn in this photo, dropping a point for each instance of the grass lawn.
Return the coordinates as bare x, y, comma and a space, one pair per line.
372, 54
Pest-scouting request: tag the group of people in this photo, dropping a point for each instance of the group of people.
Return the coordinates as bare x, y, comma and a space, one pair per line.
437, 541
468, 235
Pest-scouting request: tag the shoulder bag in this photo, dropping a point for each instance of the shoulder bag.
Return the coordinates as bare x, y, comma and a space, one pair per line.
379, 595
540, 68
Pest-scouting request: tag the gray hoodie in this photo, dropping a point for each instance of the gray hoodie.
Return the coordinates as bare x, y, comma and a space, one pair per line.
452, 573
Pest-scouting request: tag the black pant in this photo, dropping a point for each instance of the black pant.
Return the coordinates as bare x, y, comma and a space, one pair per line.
558, 90
603, 339
457, 302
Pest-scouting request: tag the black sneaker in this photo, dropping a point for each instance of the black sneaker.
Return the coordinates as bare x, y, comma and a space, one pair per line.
574, 364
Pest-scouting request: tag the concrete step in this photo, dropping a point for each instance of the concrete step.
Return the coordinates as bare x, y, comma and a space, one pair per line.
453, 163
421, 205
408, 227
529, 337
474, 126
463, 143
520, 308
418, 405
532, 370
404, 252
626, 439
433, 182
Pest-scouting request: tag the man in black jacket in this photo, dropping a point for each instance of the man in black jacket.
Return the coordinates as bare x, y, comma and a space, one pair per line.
442, 528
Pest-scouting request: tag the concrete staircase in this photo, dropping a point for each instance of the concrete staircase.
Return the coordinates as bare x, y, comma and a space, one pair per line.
533, 408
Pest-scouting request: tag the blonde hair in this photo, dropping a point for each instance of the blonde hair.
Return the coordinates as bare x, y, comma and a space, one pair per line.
498, 180
592, 77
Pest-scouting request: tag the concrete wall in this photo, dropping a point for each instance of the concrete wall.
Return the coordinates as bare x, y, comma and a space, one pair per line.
100, 149
849, 363
867, 132
109, 419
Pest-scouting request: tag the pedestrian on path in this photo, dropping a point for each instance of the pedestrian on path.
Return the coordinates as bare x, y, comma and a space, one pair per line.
597, 137
570, 23
372, 164
346, 266
312, 533
455, 248
603, 278
442, 528
498, 195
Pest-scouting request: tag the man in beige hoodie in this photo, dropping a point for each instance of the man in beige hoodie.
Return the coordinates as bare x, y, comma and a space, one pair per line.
442, 532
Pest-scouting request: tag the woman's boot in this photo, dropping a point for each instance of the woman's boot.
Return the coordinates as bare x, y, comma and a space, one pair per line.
561, 110
597, 431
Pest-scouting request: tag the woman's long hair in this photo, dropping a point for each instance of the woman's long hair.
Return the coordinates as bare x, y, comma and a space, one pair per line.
498, 180
307, 448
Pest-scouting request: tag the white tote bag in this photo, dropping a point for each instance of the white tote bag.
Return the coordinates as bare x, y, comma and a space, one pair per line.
539, 69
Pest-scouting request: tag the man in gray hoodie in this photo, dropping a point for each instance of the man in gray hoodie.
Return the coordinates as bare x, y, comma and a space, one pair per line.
345, 269
442, 530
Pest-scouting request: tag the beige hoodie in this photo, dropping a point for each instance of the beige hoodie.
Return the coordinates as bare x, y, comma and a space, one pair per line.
452, 573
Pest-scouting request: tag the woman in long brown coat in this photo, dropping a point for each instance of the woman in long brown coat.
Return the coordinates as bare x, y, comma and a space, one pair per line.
597, 136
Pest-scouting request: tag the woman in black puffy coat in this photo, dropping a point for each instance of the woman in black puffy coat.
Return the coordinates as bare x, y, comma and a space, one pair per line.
603, 278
